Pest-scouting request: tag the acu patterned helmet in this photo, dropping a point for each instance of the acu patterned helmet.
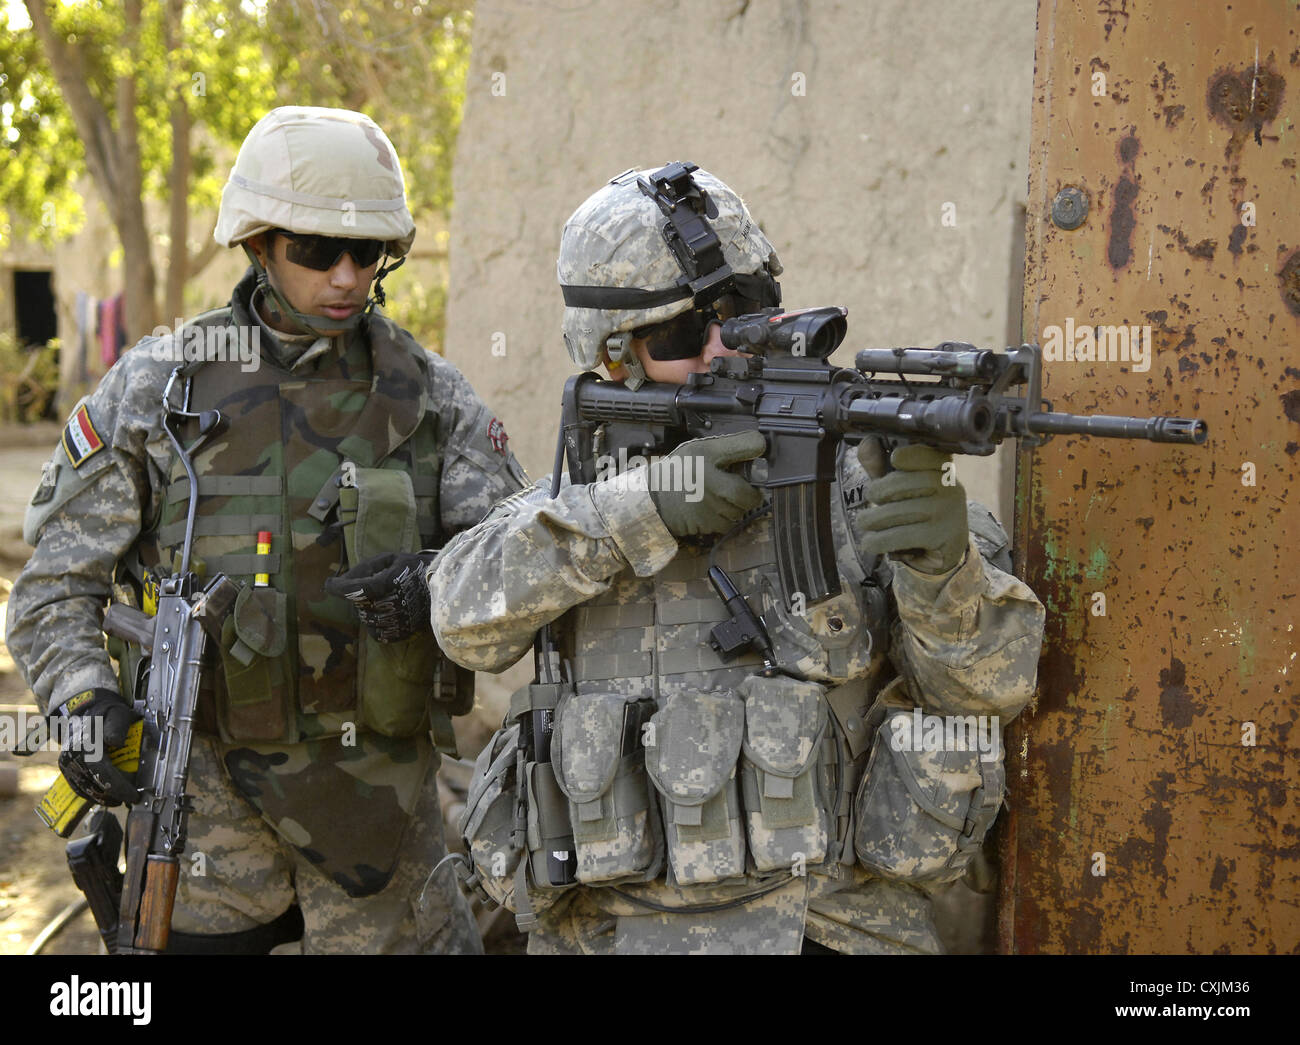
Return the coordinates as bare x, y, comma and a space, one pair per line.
651, 245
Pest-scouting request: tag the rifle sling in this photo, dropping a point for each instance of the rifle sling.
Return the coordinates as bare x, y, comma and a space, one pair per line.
257, 940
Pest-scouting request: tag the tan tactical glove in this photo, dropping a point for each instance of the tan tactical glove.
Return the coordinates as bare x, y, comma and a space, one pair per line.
913, 516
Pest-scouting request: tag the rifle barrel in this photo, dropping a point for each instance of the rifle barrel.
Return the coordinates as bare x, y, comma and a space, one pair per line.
1155, 429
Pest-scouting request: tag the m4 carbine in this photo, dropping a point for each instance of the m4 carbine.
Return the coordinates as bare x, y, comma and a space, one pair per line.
956, 398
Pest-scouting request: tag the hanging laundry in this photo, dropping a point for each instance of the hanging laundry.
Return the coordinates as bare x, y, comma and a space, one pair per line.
85, 317
112, 335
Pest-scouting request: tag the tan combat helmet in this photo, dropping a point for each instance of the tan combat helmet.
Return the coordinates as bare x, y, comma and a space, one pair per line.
649, 246
316, 171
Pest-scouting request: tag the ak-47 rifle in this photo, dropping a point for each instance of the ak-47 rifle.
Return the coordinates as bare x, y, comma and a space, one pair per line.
805, 407
134, 910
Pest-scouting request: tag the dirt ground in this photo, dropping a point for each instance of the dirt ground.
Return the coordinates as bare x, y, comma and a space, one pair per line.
34, 881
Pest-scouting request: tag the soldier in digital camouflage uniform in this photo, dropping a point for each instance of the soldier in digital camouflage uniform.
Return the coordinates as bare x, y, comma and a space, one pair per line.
715, 808
313, 766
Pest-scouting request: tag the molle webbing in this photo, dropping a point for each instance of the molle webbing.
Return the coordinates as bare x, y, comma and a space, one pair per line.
276, 468
227, 486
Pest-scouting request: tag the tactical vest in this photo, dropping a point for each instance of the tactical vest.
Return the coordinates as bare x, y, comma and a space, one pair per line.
767, 786
338, 464
686, 786
671, 766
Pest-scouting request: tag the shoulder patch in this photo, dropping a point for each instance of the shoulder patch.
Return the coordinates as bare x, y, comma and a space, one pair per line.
497, 434
80, 440
49, 481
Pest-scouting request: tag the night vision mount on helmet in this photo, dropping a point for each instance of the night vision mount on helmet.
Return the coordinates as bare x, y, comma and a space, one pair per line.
651, 246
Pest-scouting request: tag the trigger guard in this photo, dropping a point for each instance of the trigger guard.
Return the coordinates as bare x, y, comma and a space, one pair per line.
754, 472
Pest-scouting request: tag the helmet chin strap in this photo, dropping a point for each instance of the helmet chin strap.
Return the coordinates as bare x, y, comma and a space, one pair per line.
321, 326
378, 297
623, 361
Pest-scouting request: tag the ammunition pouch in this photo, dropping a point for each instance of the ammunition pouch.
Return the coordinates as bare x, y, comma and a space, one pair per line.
487, 826
395, 680
922, 815
545, 824
692, 762
257, 666
515, 814
784, 793
377, 512
600, 768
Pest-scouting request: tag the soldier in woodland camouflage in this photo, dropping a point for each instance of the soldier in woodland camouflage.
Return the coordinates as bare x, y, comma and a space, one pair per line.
312, 775
716, 805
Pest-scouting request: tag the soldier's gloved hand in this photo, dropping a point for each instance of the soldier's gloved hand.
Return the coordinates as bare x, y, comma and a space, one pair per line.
912, 515
98, 720
389, 593
716, 499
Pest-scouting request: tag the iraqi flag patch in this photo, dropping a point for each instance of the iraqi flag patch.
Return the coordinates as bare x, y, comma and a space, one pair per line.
80, 440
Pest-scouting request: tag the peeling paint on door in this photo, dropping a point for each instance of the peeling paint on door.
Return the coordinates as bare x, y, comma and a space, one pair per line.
1162, 733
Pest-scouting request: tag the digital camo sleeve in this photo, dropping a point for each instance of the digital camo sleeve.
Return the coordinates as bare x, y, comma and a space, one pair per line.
535, 557
969, 639
84, 516
478, 468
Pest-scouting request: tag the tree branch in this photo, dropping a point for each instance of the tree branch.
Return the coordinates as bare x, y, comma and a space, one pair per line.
93, 124
138, 275
201, 258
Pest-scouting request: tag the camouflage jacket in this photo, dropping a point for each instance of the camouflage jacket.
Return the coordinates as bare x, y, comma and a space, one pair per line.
637, 608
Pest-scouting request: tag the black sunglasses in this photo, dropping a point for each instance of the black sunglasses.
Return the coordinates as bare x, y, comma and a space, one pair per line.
322, 253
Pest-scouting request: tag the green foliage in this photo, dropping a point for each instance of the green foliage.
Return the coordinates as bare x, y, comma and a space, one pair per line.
40, 153
221, 71
44, 152
418, 308
403, 62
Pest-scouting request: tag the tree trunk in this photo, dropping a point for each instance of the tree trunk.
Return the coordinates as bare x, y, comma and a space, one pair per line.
92, 121
113, 159
178, 179
139, 281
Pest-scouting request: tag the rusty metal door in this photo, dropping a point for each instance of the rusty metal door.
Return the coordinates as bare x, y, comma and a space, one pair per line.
1153, 785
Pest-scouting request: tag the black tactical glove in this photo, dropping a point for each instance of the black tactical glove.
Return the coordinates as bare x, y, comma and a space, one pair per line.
913, 515
389, 592
716, 499
98, 720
